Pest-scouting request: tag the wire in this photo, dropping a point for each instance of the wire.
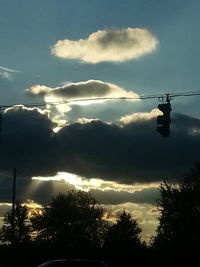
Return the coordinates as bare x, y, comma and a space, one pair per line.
142, 97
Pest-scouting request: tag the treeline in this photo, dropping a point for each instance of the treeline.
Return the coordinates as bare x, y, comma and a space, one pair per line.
73, 225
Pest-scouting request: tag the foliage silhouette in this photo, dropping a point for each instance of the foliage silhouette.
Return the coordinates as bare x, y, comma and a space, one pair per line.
178, 232
72, 220
124, 233
72, 225
21, 232
123, 241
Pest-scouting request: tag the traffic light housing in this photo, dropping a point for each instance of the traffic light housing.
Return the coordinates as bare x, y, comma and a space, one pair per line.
164, 119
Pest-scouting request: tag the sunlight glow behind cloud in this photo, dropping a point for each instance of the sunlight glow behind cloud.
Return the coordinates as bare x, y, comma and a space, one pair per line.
89, 184
90, 89
62, 98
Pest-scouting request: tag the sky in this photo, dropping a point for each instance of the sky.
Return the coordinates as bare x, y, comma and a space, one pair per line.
55, 51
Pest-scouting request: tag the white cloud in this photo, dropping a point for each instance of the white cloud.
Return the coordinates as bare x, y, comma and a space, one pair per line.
86, 120
39, 89
35, 110
9, 70
108, 45
6, 73
140, 116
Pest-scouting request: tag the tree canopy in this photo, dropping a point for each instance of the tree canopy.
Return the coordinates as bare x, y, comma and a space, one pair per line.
122, 242
18, 230
71, 219
125, 232
179, 221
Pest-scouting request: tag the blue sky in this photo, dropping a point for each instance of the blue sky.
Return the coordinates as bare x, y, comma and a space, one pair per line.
30, 28
30, 31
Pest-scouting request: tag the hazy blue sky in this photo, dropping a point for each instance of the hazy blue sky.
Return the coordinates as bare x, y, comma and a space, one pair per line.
30, 28
54, 50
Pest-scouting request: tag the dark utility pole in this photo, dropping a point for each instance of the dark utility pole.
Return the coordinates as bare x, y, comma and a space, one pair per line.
0, 120
13, 205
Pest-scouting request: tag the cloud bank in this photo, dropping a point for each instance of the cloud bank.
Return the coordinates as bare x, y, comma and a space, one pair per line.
126, 153
148, 195
108, 45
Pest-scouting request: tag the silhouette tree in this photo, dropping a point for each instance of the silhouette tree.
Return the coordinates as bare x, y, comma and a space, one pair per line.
71, 220
122, 240
124, 232
179, 221
19, 233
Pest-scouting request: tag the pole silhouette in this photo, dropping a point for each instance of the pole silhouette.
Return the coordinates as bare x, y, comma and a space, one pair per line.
13, 205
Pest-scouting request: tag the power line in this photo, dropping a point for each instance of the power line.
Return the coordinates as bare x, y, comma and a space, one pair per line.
142, 97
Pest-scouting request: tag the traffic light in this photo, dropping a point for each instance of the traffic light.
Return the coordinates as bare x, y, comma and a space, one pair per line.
164, 119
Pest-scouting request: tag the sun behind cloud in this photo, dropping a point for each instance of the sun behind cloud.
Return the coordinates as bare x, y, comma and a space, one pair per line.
80, 93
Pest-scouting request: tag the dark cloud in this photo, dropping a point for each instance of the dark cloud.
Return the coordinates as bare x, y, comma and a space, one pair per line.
147, 195
128, 153
27, 140
6, 187
42, 191
46, 190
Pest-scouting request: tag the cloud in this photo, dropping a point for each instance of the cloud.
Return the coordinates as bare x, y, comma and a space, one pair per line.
46, 189
148, 195
88, 89
39, 90
41, 189
108, 45
6, 73
79, 93
140, 116
9, 70
38, 132
85, 120
127, 153
141, 204
106, 192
